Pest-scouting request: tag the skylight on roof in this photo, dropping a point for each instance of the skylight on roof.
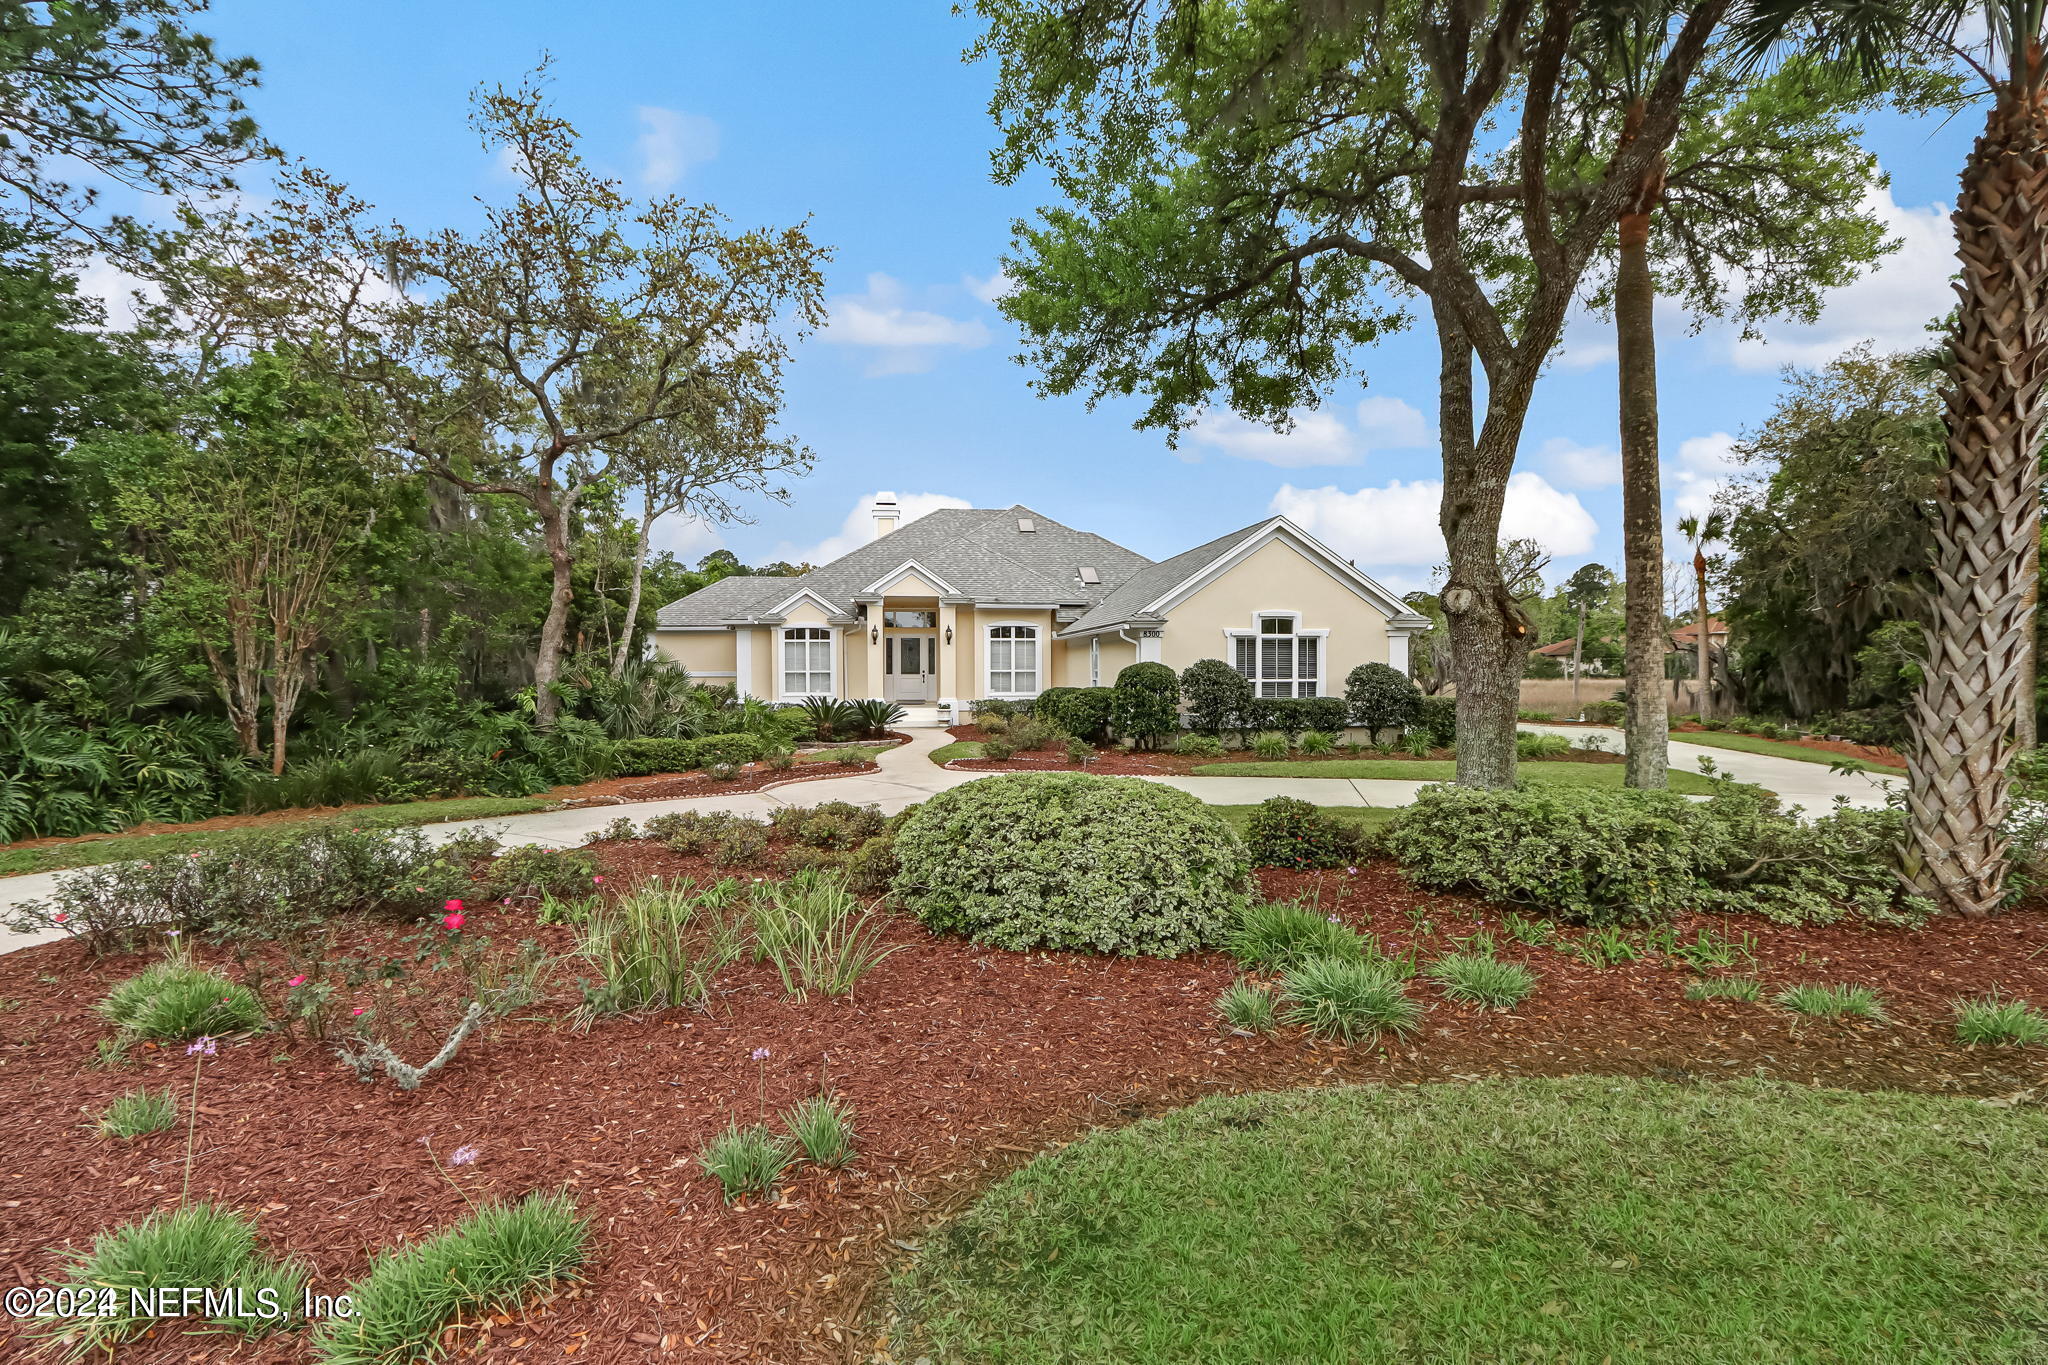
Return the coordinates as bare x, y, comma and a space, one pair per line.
1025, 524
1089, 575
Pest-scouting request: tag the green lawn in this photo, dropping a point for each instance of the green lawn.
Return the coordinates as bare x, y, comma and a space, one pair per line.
959, 748
1585, 1219
1367, 818
1757, 744
121, 847
1443, 770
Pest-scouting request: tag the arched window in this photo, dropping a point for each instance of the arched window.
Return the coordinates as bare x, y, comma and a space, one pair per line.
1013, 661
806, 662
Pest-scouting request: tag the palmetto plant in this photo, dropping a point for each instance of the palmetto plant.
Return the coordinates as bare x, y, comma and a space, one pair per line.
1988, 515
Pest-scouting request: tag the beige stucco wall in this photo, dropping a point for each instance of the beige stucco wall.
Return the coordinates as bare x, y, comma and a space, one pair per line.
1277, 577
1117, 654
707, 654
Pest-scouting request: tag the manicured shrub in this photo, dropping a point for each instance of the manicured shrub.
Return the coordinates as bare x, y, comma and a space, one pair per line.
1217, 695
1436, 721
1610, 857
1605, 712
1192, 745
1277, 935
1029, 732
740, 845
1080, 711
639, 757
694, 832
202, 1245
175, 1000
1353, 1001
1292, 715
1247, 1008
1070, 860
1285, 831
1270, 744
823, 1127
1990, 1021
1725, 988
1145, 707
487, 1263
871, 867
140, 1113
1832, 1002
745, 1160
531, 871
1381, 697
1477, 979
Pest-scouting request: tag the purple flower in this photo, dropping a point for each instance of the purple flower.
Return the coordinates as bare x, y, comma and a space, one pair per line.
464, 1154
203, 1045
760, 1054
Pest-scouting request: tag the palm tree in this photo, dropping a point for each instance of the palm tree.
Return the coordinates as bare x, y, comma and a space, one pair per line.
1702, 532
1966, 714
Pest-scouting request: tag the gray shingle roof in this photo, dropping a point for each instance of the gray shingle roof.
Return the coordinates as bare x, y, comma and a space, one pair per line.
1129, 598
979, 552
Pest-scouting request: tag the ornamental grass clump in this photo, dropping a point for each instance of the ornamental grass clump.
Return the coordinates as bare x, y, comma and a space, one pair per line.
1349, 1001
1269, 744
823, 1127
1276, 935
817, 932
175, 1000
1478, 979
201, 1245
661, 945
1247, 1009
1832, 1002
1071, 860
487, 1263
1992, 1021
1725, 988
140, 1113
745, 1160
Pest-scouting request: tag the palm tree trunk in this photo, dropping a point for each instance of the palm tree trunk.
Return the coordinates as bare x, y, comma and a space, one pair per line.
1987, 522
1647, 726
1704, 701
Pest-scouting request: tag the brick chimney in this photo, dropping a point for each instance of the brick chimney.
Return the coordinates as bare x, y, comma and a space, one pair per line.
886, 514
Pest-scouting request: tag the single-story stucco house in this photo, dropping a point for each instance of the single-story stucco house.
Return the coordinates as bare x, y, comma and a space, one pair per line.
970, 603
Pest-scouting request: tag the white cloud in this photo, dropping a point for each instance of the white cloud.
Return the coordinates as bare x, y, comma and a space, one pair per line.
1588, 341
1397, 524
1705, 465
1316, 438
1578, 466
1890, 305
1392, 424
905, 338
688, 538
671, 142
116, 288
996, 286
859, 527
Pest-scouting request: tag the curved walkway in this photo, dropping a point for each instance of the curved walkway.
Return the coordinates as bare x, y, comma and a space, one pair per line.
906, 775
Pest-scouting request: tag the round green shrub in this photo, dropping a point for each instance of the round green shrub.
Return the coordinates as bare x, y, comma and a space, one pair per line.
1218, 696
1146, 703
1070, 860
1381, 697
1285, 831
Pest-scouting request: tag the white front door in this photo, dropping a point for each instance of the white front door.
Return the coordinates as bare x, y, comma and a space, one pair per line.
908, 663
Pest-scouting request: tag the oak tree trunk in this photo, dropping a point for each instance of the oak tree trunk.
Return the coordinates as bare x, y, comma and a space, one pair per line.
1647, 724
1987, 519
633, 597
555, 627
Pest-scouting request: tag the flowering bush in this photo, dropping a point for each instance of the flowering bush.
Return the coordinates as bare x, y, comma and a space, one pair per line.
1286, 832
1070, 860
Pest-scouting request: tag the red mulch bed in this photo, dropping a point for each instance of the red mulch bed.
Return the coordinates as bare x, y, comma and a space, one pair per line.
677, 786
1114, 760
962, 1063
1869, 753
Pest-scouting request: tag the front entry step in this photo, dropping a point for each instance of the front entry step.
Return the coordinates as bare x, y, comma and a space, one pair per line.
925, 718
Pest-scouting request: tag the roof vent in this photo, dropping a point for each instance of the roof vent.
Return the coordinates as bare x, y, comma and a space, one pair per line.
1026, 524
1089, 575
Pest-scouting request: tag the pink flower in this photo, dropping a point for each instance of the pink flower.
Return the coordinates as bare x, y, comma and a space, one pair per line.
598, 880
298, 980
59, 917
451, 905
454, 921
357, 1010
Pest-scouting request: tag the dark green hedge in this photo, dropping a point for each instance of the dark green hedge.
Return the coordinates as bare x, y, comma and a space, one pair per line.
639, 757
1082, 711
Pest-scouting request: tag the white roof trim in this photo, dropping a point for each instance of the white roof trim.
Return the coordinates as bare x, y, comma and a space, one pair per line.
1280, 528
909, 566
782, 608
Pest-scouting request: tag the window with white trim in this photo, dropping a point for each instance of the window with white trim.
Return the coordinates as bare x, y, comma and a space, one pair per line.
1095, 661
806, 662
1012, 661
1279, 659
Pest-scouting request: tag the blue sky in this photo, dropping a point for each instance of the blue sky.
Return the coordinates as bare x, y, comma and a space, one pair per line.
864, 119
